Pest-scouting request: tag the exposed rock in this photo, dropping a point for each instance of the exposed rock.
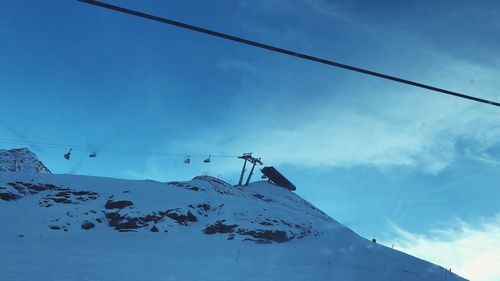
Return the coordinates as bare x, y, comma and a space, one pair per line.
185, 186
182, 219
204, 206
87, 225
267, 235
7, 196
154, 217
53, 193
201, 209
123, 222
219, 227
120, 215
128, 224
110, 204
114, 218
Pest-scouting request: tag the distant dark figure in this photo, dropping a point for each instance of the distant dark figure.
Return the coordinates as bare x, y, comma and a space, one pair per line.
93, 154
68, 155
374, 240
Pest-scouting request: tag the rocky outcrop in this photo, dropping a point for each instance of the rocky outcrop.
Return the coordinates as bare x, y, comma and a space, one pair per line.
207, 204
21, 160
87, 225
219, 227
110, 204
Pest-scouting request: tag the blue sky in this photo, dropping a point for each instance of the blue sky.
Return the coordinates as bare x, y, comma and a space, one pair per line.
387, 160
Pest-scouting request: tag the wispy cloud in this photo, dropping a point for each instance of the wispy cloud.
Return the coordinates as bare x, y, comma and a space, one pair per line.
473, 252
381, 126
357, 120
329, 9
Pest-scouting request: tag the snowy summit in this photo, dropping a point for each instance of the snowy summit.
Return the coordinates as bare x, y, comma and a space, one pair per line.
21, 160
69, 227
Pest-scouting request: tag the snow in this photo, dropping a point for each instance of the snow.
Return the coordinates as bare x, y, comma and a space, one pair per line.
21, 159
276, 235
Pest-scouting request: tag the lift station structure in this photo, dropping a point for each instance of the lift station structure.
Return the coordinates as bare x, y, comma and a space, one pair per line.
270, 172
277, 178
248, 158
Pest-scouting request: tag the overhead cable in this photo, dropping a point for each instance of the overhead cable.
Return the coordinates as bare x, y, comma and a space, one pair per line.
285, 51
111, 150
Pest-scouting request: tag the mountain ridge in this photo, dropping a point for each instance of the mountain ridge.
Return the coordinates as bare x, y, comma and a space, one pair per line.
21, 160
275, 226
80, 226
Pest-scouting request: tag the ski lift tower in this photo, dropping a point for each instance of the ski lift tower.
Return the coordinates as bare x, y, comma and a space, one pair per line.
248, 158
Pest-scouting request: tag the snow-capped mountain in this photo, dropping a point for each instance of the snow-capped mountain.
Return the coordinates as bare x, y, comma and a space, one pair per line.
21, 159
69, 227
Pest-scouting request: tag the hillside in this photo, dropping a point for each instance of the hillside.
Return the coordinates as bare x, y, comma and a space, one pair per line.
68, 227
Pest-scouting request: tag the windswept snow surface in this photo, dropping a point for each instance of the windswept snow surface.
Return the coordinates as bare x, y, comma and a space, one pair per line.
67, 227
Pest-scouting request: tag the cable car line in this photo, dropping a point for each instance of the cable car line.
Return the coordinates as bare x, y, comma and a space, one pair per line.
285, 51
93, 153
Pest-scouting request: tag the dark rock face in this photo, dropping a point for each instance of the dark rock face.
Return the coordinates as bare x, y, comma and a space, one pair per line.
7, 196
127, 224
182, 219
219, 227
258, 235
201, 209
204, 206
87, 225
52, 194
55, 227
132, 223
267, 236
117, 204
68, 196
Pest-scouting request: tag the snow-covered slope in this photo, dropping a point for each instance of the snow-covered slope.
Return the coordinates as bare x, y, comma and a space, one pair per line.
20, 159
67, 227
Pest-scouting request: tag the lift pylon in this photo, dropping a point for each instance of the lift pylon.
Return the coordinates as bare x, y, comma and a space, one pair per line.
248, 157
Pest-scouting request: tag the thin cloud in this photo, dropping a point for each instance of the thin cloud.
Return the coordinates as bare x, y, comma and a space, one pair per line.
356, 120
473, 252
384, 128
330, 10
